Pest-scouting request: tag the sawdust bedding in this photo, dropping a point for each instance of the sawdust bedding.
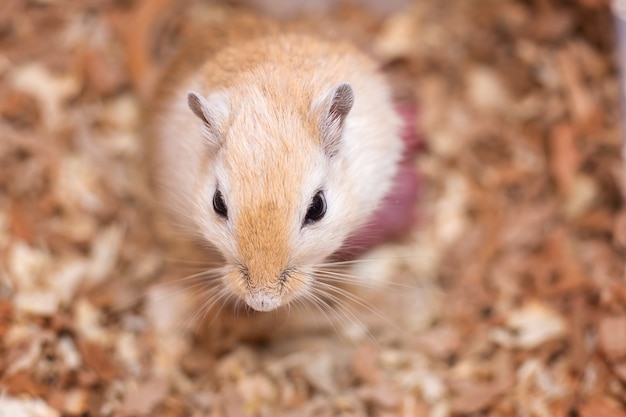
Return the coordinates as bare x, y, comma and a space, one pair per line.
507, 299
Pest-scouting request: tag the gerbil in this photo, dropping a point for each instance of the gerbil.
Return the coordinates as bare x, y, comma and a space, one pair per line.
275, 148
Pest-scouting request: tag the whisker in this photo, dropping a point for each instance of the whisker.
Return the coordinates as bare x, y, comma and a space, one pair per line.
168, 290
361, 282
210, 273
349, 317
203, 279
226, 297
349, 262
191, 322
192, 262
322, 306
357, 300
376, 259
180, 290
220, 297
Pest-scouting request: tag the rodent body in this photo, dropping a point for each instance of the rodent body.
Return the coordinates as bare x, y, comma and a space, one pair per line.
275, 149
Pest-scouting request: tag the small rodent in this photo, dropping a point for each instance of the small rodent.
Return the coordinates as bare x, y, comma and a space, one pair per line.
274, 148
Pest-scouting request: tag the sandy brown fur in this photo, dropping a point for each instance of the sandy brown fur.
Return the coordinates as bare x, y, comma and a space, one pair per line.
272, 159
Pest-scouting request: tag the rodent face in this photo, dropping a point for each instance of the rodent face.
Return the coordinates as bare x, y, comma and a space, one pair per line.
267, 195
269, 200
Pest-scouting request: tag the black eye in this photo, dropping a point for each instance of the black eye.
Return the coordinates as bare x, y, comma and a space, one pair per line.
317, 209
218, 204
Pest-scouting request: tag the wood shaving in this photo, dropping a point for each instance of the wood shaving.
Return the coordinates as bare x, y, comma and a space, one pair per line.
506, 299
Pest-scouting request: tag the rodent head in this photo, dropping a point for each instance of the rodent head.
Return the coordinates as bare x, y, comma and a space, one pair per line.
271, 197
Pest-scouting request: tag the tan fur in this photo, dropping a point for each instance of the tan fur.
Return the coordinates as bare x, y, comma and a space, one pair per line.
271, 162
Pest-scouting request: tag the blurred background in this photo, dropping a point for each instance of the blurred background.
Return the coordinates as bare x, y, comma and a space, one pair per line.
507, 298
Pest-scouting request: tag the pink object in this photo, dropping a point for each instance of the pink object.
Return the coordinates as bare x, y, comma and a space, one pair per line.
396, 215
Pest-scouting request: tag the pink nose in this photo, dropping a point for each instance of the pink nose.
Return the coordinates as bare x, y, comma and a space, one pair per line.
261, 301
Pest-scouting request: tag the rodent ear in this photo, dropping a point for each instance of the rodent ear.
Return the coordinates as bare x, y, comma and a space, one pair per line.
212, 112
336, 107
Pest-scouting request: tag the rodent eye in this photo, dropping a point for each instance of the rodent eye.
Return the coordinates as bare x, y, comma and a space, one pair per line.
218, 204
317, 208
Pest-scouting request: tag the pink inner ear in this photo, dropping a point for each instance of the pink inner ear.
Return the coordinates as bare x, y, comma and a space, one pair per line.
397, 213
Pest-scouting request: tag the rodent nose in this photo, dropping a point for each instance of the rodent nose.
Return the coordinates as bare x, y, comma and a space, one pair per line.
263, 302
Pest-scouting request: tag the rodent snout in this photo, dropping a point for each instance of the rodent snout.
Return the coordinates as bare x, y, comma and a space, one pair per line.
262, 301
266, 292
